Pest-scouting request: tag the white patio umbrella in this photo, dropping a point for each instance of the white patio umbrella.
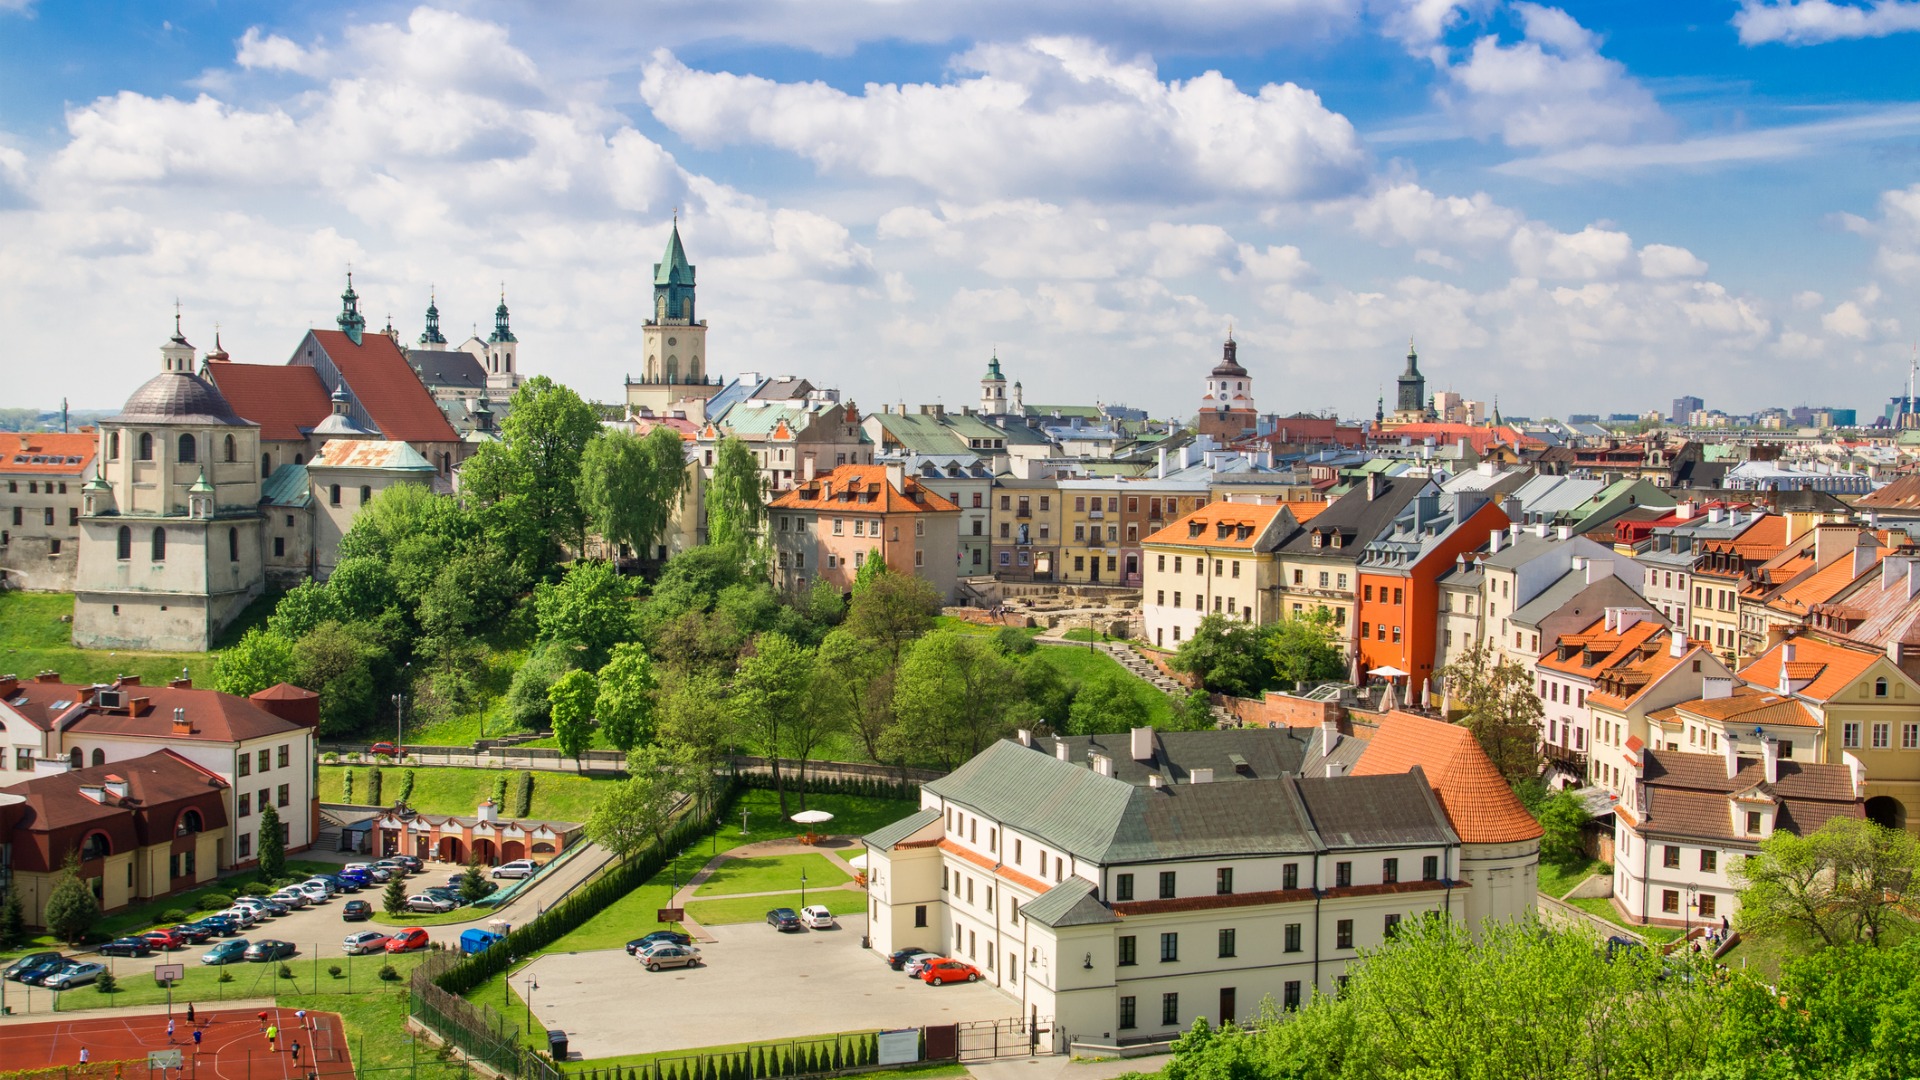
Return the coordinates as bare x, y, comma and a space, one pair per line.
1388, 672
858, 862
811, 817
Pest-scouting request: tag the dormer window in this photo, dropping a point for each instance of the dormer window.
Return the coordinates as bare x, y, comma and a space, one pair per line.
1316, 539
1336, 539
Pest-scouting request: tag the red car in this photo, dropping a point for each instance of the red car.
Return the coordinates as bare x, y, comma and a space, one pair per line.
946, 971
166, 939
385, 749
407, 940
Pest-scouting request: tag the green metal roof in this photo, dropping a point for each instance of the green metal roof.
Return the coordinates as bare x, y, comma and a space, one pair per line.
1070, 903
886, 836
288, 486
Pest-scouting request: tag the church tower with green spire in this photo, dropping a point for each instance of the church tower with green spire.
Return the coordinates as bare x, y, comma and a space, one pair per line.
993, 389
503, 361
432, 335
350, 320
674, 340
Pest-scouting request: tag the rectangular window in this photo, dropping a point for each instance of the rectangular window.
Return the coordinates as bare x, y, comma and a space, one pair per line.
1290, 1000
1122, 885
1169, 948
1223, 881
1129, 954
1343, 934
1670, 901
1170, 1009
1389, 871
246, 846
1392, 926
1850, 736
1707, 906
1753, 822
283, 756
246, 804
1910, 736
1366, 593
280, 796
1882, 736
266, 760
1290, 876
1342, 874
1166, 885
1430, 868
1670, 858
1128, 1019
1709, 860
246, 765
920, 916
1293, 937
1226, 942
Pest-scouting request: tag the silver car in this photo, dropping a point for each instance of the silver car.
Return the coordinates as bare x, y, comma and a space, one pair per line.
425, 902
366, 941
666, 954
74, 974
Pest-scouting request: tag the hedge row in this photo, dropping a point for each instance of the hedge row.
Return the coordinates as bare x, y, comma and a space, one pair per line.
832, 785
765, 1062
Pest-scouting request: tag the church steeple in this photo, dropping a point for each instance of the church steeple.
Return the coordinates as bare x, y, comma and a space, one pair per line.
993, 388
1412, 403
500, 331
673, 283
350, 320
432, 335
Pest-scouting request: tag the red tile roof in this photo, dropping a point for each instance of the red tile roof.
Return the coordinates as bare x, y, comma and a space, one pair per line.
1826, 669
282, 399
58, 453
386, 386
1478, 802
213, 716
864, 489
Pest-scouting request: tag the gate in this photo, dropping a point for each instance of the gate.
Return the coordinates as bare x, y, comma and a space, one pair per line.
986, 1040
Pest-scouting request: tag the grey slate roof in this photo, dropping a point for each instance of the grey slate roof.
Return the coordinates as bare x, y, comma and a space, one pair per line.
454, 368
1268, 752
1070, 903
1396, 810
1356, 518
888, 835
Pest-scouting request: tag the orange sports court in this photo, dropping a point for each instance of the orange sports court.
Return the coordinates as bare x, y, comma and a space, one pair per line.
233, 1046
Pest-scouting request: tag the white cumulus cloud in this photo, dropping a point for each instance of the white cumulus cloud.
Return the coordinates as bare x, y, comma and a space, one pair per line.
1552, 88
1815, 22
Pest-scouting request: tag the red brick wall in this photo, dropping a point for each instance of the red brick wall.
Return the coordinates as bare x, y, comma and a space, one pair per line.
1283, 710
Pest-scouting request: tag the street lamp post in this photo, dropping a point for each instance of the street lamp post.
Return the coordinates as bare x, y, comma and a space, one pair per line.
803, 888
533, 984
399, 723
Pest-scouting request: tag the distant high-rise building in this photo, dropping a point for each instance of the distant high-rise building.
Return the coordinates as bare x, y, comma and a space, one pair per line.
1684, 407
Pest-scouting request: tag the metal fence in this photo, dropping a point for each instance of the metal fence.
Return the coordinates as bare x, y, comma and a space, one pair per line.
306, 972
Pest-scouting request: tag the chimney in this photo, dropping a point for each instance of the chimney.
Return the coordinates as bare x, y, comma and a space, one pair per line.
897, 476
1685, 511
1141, 743
1060, 748
8, 684
485, 812
95, 792
1713, 515
1540, 529
1563, 532
181, 683
1103, 764
1026, 737
1494, 541
1373, 486
1514, 530
1770, 759
1913, 578
116, 786
1335, 769
1161, 472
1712, 689
1676, 643
1863, 552
1201, 776
1155, 781
1329, 735
127, 680
47, 677
1732, 748
180, 724
1598, 569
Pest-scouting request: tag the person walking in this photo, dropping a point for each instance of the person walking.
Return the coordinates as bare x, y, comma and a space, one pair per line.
189, 1014
169, 1030
273, 1037
296, 1052
83, 1055
196, 1040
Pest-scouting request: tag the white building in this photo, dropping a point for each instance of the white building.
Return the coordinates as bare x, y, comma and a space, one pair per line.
1123, 886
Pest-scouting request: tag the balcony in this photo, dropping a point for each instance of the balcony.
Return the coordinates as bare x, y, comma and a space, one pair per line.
1565, 756
1096, 513
1023, 512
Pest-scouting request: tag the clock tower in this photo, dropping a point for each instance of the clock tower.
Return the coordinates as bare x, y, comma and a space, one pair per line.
673, 341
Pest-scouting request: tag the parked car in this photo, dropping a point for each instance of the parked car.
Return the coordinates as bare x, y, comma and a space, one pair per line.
127, 946
412, 864
275, 908
193, 933
413, 937
227, 952
354, 880
518, 868
379, 874
240, 917
674, 936
784, 919
817, 917
394, 868
356, 911
38, 973
366, 941
946, 971
429, 902
74, 974
899, 959
386, 749
668, 955
291, 899
269, 949
323, 882
218, 925
918, 965
165, 939
442, 892
28, 962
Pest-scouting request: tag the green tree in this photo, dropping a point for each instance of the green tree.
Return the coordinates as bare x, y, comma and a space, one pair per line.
473, 883
72, 909
637, 811
1501, 709
394, 900
261, 658
362, 588
273, 847
853, 688
696, 731
952, 695
527, 705
1106, 704
625, 700
374, 785
769, 692
338, 663
735, 497
1228, 657
592, 605
1194, 712
1848, 1011
529, 480
1841, 884
573, 697
1563, 819
826, 607
1305, 649
630, 485
891, 611
13, 921
304, 607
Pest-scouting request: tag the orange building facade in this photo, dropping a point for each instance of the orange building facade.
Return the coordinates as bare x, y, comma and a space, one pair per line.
1397, 583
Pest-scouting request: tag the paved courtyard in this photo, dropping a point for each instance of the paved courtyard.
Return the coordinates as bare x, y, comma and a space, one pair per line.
758, 985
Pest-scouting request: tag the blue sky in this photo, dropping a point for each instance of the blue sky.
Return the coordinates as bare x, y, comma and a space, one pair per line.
1589, 207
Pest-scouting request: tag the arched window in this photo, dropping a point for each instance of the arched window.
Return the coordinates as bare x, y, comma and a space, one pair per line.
266, 466
333, 495
233, 545
229, 453
1879, 688
99, 756
188, 449
190, 822
446, 463
113, 446
77, 759
299, 459
146, 446
97, 846
366, 494
159, 544
125, 550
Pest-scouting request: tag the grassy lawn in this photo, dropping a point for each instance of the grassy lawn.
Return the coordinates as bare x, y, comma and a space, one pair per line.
436, 790
1080, 665
948, 622
1557, 878
755, 908
771, 872
1603, 908
375, 1026
33, 638
309, 975
493, 675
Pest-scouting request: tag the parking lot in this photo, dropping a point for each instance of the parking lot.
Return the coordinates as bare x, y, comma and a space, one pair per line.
757, 985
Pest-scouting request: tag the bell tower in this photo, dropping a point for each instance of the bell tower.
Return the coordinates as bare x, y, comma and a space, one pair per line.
993, 389
674, 340
1226, 405
503, 362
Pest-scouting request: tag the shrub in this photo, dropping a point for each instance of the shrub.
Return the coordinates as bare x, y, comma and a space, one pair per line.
215, 901
173, 915
389, 973
225, 975
105, 983
329, 757
373, 786
333, 970
286, 972
523, 795
500, 791
406, 785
